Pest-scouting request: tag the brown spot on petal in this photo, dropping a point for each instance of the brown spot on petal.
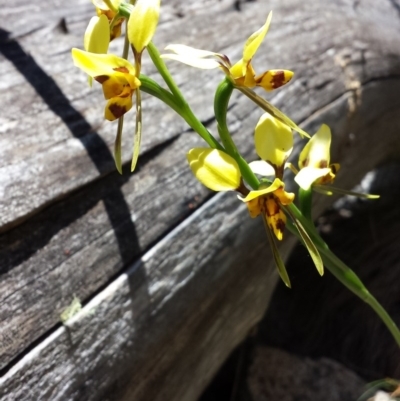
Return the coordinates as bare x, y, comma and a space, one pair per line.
116, 110
278, 79
306, 162
102, 78
271, 206
121, 69
323, 164
280, 225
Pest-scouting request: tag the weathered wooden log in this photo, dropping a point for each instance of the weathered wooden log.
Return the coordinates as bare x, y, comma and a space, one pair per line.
171, 278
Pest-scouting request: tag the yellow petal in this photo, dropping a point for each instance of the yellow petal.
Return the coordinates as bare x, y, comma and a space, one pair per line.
254, 41
255, 194
273, 79
316, 152
202, 63
143, 22
118, 106
254, 207
100, 64
261, 167
214, 169
273, 140
97, 35
308, 175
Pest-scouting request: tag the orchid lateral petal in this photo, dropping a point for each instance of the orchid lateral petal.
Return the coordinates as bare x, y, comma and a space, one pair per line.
142, 23
316, 153
255, 194
273, 79
277, 256
100, 64
202, 63
138, 130
273, 140
308, 175
261, 167
214, 168
254, 41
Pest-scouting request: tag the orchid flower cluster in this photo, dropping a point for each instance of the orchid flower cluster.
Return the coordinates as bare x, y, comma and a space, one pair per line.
260, 185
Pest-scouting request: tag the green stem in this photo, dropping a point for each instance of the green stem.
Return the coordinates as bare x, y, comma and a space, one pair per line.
343, 273
164, 72
221, 103
305, 202
151, 87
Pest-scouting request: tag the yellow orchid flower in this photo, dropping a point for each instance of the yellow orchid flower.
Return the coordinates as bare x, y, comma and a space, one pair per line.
117, 76
109, 8
241, 73
274, 143
267, 202
142, 23
220, 172
314, 160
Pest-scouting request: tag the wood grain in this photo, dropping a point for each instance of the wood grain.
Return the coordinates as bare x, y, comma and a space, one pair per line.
71, 226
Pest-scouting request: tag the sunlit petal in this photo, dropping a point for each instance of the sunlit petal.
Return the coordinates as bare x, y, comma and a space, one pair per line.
190, 51
273, 140
203, 63
214, 169
254, 41
142, 23
316, 152
308, 175
100, 64
97, 35
255, 194
273, 79
117, 107
261, 167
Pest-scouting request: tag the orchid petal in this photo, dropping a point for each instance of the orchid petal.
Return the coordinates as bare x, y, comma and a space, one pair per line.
117, 106
202, 63
142, 23
273, 140
273, 79
97, 35
261, 167
255, 194
214, 169
254, 41
101, 64
191, 51
316, 152
308, 175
